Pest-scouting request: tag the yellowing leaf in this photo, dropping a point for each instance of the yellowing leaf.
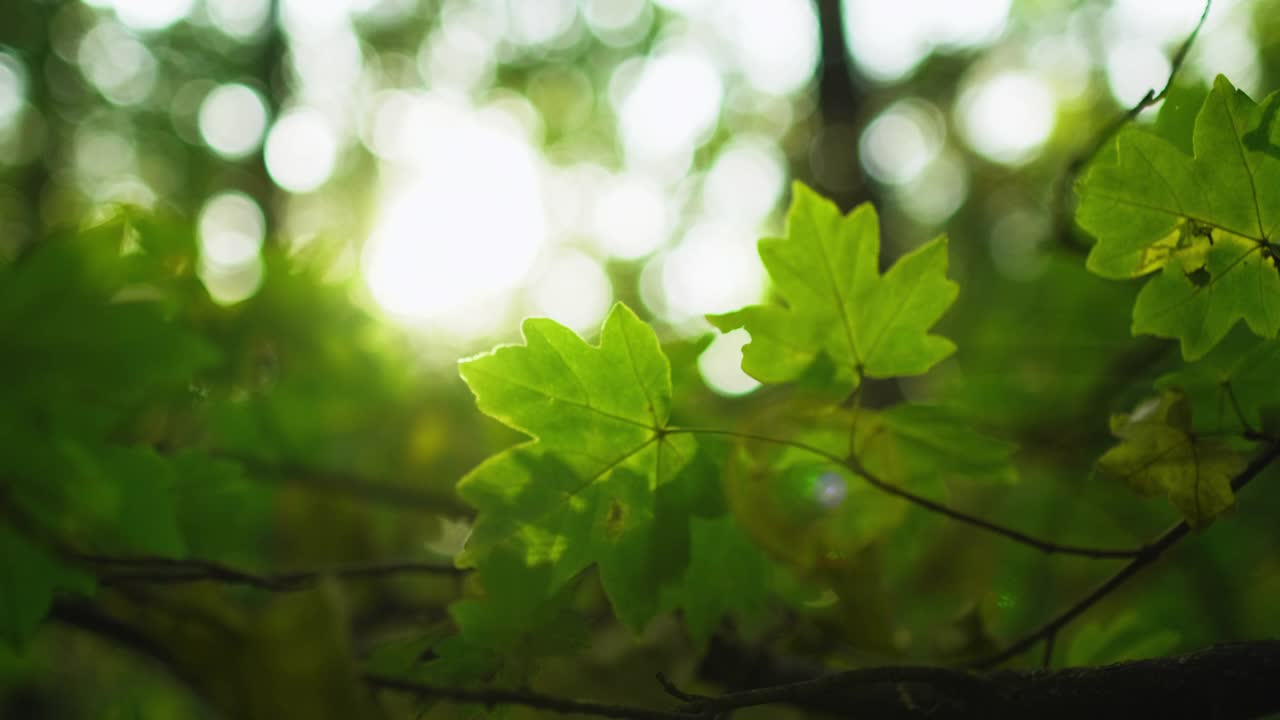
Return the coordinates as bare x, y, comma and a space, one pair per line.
1159, 454
827, 271
1207, 223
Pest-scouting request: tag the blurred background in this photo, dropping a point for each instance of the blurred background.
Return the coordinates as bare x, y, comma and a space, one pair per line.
475, 161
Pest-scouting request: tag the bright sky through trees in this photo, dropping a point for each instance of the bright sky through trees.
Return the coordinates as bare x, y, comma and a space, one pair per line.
647, 136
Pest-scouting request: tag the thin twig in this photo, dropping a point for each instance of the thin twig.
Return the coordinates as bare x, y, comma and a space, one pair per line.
358, 488
675, 692
1066, 181
496, 696
162, 570
1235, 406
1045, 546
1150, 554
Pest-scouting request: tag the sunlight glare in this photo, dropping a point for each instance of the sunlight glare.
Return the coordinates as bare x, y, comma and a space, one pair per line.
776, 41
240, 19
572, 289
1133, 69
467, 226
714, 269
721, 365
889, 39
632, 217
673, 105
147, 15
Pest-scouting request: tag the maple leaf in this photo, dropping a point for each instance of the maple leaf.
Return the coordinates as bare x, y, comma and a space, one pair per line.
1205, 222
602, 480
838, 304
1159, 454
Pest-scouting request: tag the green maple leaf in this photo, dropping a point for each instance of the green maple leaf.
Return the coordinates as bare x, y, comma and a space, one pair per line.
1205, 222
602, 480
722, 556
1159, 454
838, 304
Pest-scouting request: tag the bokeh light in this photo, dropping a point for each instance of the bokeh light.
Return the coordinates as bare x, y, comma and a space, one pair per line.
746, 180
232, 119
13, 88
240, 19
889, 39
115, 63
776, 42
669, 109
901, 142
1007, 117
618, 23
231, 230
1134, 69
632, 218
621, 137
151, 15
938, 191
301, 150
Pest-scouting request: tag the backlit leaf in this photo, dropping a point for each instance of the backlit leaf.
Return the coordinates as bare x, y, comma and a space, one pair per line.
1204, 223
598, 484
838, 304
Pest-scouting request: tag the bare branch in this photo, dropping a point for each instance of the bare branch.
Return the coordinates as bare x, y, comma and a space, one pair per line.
1062, 193
121, 570
1233, 681
499, 696
1150, 554
1045, 546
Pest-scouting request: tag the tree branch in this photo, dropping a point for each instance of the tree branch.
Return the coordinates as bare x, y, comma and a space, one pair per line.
852, 463
163, 570
358, 488
1150, 554
500, 696
1233, 681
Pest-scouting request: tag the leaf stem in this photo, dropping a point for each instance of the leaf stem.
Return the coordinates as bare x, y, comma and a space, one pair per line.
1045, 546
1235, 406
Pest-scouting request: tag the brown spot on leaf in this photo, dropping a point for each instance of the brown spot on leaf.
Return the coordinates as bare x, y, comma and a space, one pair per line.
615, 520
